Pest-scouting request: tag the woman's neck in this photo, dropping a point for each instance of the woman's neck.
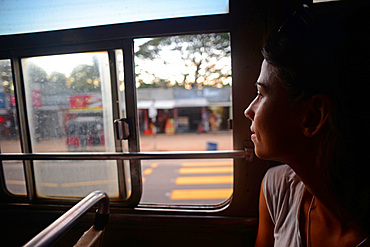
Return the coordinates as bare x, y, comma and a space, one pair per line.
312, 175
337, 230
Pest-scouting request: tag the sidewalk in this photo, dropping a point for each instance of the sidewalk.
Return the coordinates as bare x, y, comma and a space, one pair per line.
186, 142
148, 143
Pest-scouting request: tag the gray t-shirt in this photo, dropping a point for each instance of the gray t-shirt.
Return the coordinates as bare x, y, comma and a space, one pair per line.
283, 193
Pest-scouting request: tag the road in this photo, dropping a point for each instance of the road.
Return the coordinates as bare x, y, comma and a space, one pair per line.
182, 182
187, 182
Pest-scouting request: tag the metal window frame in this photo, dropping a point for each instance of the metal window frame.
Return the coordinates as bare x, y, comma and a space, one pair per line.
105, 38
110, 48
135, 168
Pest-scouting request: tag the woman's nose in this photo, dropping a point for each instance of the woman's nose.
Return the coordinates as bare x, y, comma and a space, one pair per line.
249, 113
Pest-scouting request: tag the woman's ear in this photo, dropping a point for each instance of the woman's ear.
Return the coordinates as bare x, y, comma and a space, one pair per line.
317, 111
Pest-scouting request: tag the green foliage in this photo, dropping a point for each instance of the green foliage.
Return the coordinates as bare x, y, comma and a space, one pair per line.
55, 84
201, 53
156, 83
85, 78
36, 74
6, 76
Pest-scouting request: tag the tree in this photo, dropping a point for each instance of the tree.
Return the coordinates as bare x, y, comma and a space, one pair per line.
6, 76
205, 58
36, 74
56, 84
156, 83
85, 78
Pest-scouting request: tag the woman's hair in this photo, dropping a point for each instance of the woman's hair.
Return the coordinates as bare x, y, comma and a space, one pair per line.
322, 51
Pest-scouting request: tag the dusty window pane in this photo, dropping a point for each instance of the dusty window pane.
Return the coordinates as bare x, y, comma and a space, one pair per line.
9, 132
184, 102
70, 109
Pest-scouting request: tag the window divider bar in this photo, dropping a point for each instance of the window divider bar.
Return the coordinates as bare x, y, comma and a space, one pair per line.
114, 90
116, 115
131, 114
241, 154
24, 126
130, 93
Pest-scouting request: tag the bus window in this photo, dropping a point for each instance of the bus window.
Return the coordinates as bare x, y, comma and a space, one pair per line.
184, 104
69, 107
9, 131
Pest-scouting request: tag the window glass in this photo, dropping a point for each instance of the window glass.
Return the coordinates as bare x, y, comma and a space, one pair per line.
69, 107
9, 131
23, 16
184, 103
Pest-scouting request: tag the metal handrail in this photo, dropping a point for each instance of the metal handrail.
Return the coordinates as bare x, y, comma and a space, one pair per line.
127, 156
54, 231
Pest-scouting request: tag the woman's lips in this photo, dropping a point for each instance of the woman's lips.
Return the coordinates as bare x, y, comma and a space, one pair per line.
253, 136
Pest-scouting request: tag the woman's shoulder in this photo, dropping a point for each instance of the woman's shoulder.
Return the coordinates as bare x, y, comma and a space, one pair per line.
280, 172
279, 179
283, 191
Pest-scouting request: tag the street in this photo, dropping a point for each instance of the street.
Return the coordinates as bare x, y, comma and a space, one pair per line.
175, 182
185, 182
182, 182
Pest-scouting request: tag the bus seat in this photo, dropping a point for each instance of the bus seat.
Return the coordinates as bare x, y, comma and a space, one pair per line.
91, 238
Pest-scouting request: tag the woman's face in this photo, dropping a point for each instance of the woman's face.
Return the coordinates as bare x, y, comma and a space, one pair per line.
275, 118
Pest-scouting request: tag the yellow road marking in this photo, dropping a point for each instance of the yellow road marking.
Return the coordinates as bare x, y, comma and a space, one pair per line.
205, 180
212, 163
148, 171
15, 182
75, 184
201, 194
200, 170
143, 179
154, 165
63, 185
54, 185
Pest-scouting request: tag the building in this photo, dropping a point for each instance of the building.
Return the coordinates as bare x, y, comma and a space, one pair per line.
180, 110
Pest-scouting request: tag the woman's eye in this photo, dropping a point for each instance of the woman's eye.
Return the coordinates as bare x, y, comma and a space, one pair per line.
259, 95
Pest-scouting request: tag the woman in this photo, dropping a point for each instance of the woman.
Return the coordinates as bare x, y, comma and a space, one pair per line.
311, 112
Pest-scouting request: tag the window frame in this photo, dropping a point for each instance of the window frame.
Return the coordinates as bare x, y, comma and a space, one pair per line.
25, 133
121, 36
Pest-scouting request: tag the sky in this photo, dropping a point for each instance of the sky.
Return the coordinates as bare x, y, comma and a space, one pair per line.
24, 16
65, 63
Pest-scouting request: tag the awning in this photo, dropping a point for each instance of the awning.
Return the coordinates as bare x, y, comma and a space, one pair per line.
222, 104
157, 104
144, 104
179, 103
196, 102
164, 104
